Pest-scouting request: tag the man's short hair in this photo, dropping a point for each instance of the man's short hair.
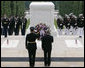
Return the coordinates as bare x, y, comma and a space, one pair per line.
31, 28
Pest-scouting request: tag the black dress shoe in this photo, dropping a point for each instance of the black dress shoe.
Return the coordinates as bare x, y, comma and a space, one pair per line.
46, 64
31, 65
80, 36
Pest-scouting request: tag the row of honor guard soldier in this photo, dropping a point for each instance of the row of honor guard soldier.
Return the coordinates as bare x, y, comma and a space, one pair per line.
71, 24
12, 24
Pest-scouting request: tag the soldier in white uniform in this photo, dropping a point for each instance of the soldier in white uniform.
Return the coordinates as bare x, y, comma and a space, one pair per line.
71, 23
60, 25
74, 25
80, 25
67, 24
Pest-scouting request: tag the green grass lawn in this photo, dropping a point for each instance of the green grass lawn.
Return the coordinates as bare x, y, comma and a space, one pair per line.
55, 23
28, 22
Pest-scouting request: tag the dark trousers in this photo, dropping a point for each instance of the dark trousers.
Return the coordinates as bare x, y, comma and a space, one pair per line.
5, 31
47, 57
23, 31
10, 31
17, 31
2, 31
32, 54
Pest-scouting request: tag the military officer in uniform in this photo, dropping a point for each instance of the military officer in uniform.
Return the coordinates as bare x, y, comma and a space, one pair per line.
9, 30
17, 25
5, 23
31, 45
23, 27
11, 25
47, 47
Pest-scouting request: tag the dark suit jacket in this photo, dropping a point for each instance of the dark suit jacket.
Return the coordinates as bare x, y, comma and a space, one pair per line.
47, 42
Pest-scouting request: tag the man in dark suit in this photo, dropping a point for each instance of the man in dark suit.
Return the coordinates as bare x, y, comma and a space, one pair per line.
17, 25
47, 47
31, 46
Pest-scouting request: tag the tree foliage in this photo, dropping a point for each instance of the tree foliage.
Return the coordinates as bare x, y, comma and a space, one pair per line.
64, 7
12, 8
